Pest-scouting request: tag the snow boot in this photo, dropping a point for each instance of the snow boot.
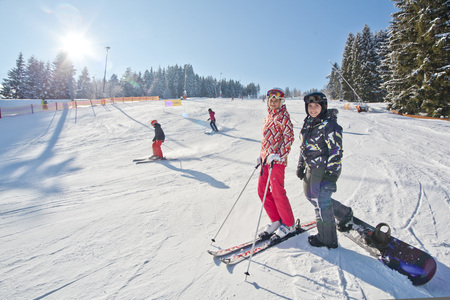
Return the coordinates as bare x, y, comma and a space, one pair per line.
315, 242
282, 231
269, 229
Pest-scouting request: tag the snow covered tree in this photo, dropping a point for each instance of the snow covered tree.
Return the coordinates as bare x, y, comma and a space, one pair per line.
383, 61
208, 87
251, 90
419, 56
148, 79
433, 57
347, 68
297, 93
63, 72
37, 78
368, 79
175, 81
193, 89
361, 66
356, 68
334, 85
132, 84
14, 85
84, 86
158, 85
114, 89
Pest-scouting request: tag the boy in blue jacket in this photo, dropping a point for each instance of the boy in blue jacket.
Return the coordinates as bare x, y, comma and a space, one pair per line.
319, 167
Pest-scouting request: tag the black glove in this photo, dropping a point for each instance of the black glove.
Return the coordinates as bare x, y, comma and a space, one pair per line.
301, 172
330, 177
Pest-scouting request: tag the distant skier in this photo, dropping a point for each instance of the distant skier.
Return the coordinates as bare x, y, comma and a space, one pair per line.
212, 120
44, 104
319, 167
278, 136
157, 141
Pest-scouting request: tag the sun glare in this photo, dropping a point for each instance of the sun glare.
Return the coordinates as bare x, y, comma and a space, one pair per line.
76, 45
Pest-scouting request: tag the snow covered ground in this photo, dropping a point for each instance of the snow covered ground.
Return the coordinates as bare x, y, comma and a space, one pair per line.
79, 220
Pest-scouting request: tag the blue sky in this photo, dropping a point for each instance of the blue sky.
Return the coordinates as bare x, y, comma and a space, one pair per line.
271, 43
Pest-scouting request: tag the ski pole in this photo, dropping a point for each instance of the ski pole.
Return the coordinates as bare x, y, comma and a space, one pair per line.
214, 239
259, 220
168, 147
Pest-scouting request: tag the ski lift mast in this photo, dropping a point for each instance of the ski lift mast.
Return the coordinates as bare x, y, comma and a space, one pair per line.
361, 105
339, 72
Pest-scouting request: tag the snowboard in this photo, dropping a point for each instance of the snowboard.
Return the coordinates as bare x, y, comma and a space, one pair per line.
408, 260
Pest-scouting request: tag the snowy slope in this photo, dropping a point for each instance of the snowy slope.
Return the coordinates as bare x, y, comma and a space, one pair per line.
79, 220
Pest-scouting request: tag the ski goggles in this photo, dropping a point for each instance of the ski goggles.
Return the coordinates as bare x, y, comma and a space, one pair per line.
275, 93
314, 99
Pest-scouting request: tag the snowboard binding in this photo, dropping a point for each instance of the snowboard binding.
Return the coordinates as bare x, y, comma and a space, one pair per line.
378, 238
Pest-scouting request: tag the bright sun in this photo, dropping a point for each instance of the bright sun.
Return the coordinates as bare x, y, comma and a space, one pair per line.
76, 45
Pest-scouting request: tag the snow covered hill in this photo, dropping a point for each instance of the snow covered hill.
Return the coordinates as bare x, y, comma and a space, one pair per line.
79, 220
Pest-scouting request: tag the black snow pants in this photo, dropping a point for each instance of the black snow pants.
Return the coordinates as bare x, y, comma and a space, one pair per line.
318, 192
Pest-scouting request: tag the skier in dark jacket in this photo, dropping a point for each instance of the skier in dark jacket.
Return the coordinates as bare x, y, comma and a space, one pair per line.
320, 166
157, 141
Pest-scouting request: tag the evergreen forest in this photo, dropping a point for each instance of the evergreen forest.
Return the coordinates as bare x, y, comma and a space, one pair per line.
407, 66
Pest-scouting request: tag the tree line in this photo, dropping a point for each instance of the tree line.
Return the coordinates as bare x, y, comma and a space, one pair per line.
407, 65
37, 79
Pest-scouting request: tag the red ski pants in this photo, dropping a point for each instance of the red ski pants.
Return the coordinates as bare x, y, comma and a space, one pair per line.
277, 204
157, 148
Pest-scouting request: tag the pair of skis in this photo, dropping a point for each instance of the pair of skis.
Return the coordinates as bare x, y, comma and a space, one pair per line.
241, 252
147, 160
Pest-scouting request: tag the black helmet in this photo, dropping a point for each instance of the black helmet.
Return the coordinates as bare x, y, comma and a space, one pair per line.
316, 97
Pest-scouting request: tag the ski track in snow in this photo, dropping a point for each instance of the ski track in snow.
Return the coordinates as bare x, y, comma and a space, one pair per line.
79, 220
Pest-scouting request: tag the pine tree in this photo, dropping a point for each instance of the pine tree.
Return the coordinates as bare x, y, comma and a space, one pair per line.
46, 83
114, 88
334, 85
148, 79
347, 69
14, 86
84, 85
192, 88
433, 57
383, 61
356, 79
158, 85
175, 81
367, 78
419, 55
132, 84
62, 84
35, 79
